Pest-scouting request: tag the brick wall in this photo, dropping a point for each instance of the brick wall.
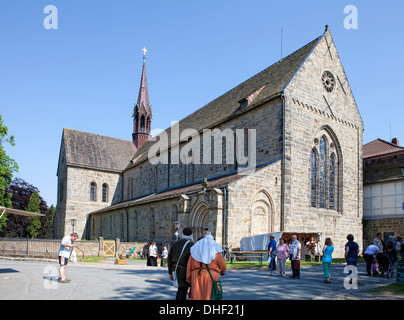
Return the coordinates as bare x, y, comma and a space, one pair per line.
372, 227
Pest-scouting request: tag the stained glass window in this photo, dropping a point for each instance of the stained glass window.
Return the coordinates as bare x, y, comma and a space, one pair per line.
313, 178
331, 187
93, 189
323, 172
104, 193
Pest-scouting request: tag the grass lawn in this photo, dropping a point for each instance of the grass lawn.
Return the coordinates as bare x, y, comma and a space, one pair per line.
93, 259
255, 264
394, 288
96, 259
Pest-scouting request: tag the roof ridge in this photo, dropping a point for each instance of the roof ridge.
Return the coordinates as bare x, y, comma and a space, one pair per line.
390, 143
274, 77
96, 134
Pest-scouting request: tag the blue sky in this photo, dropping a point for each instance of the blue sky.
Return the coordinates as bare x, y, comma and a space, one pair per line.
85, 75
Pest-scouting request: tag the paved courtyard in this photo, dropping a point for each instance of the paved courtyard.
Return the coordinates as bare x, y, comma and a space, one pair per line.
29, 280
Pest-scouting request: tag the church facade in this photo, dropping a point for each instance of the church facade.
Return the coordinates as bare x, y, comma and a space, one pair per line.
280, 152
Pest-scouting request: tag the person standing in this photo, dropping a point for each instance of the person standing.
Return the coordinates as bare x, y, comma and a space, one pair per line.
164, 256
282, 252
152, 255
177, 261
66, 248
391, 249
370, 255
378, 241
352, 255
272, 254
328, 249
399, 248
205, 265
294, 256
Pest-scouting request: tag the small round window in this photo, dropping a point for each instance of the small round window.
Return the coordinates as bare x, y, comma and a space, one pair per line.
328, 81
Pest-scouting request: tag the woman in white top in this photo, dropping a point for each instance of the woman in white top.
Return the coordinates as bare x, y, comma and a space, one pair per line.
152, 255
369, 255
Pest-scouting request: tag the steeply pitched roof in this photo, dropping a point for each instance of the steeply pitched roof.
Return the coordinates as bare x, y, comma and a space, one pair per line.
380, 147
96, 151
267, 84
143, 97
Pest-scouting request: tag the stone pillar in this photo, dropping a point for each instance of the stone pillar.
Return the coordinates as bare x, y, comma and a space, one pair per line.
101, 247
117, 246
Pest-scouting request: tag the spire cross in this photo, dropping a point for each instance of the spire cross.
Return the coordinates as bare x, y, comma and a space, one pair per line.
144, 51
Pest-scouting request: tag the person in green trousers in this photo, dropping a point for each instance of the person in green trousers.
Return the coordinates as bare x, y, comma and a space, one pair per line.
327, 259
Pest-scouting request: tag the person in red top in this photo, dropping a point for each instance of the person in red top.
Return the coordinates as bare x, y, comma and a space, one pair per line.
282, 253
205, 252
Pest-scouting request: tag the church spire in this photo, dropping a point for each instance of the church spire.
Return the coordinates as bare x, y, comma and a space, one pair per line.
142, 112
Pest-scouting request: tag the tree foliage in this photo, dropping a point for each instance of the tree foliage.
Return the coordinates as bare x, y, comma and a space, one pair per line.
7, 167
19, 226
33, 206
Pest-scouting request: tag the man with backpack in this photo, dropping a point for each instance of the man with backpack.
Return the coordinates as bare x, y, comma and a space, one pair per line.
177, 261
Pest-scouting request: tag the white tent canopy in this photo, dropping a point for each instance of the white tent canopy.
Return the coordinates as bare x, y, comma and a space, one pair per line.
19, 212
260, 242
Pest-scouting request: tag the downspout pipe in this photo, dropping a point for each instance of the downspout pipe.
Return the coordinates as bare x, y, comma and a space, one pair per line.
224, 216
283, 179
127, 224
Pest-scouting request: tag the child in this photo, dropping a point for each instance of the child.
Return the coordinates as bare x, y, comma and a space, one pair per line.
164, 256
374, 267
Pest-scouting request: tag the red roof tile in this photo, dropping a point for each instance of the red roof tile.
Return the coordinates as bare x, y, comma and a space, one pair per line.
379, 147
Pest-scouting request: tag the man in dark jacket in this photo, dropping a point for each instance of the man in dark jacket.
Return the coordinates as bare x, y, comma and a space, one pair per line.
183, 245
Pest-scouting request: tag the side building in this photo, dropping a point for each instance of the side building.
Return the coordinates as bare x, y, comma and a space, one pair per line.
383, 191
89, 177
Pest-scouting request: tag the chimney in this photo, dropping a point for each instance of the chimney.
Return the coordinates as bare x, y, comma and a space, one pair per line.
395, 141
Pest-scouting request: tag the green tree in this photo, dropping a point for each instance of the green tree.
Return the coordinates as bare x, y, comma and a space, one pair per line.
34, 206
7, 167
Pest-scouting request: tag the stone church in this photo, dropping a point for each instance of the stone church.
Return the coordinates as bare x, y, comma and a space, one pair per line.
299, 168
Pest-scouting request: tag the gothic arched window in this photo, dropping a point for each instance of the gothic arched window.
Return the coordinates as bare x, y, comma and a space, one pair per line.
314, 161
148, 124
104, 192
322, 172
142, 123
156, 178
93, 191
331, 187
325, 172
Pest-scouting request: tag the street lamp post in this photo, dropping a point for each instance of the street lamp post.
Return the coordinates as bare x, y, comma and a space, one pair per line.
73, 223
177, 227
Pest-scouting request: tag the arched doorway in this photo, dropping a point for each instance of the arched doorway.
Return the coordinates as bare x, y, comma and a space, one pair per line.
200, 220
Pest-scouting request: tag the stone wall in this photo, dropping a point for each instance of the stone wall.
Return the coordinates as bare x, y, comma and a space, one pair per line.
144, 222
48, 249
254, 204
311, 112
383, 168
393, 226
266, 120
76, 203
155, 221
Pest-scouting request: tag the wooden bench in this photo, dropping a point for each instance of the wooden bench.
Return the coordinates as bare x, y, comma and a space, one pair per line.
247, 254
309, 257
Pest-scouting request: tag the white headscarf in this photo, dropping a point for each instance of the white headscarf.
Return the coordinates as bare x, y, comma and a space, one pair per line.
205, 250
